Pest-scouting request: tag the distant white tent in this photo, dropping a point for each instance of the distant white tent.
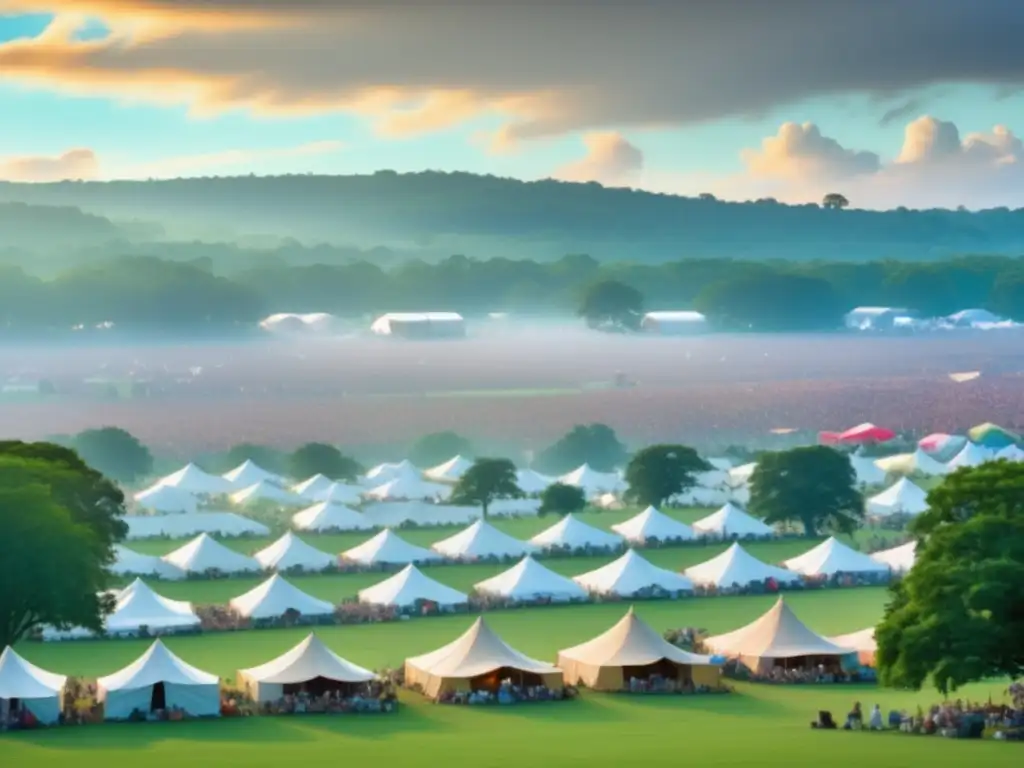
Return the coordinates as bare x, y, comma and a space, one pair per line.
308, 661
572, 534
311, 488
630, 575
387, 547
290, 552
832, 557
652, 524
203, 554
531, 482
340, 493
409, 586
863, 642
385, 473
393, 514
867, 471
194, 480
185, 525
971, 455
902, 498
139, 606
35, 689
921, 462
276, 596
722, 463
741, 475
899, 559
128, 562
730, 521
482, 540
249, 473
593, 483
1011, 453
328, 516
167, 499
408, 488
712, 478
529, 580
608, 501
737, 568
509, 507
267, 491
159, 680
450, 471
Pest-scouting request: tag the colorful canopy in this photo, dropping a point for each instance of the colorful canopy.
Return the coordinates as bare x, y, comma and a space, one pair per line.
992, 436
862, 433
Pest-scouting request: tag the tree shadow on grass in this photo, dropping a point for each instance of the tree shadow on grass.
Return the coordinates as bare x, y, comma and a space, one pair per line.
582, 709
729, 704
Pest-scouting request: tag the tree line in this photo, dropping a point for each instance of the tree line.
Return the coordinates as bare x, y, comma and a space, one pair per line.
188, 296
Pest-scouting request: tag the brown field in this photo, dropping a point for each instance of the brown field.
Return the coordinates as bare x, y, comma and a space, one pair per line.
528, 386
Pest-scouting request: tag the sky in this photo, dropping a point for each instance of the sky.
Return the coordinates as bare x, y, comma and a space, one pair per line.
913, 103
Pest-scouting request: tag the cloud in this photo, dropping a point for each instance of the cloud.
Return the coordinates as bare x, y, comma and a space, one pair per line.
75, 164
544, 68
609, 158
225, 160
900, 112
799, 151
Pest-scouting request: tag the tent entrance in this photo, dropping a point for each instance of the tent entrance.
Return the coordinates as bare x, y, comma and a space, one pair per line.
492, 680
830, 663
158, 699
661, 668
319, 686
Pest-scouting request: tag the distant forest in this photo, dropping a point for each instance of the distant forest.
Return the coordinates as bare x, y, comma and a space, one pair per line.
432, 215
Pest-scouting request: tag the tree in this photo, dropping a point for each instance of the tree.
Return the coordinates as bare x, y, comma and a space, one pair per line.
562, 499
320, 458
766, 301
594, 444
958, 615
660, 472
437, 447
814, 485
117, 454
610, 302
485, 481
835, 201
271, 459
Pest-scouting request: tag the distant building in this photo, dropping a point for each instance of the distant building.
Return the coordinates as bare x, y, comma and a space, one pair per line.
875, 318
420, 325
290, 322
969, 318
680, 323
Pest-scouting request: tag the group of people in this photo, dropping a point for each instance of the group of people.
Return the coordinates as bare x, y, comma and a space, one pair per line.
814, 674
376, 697
661, 684
507, 693
957, 719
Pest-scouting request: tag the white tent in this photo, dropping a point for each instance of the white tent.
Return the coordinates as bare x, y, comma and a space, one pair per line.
38, 691
529, 580
408, 488
592, 482
902, 498
732, 522
712, 478
290, 552
737, 568
407, 587
159, 680
328, 516
311, 487
184, 525
340, 493
720, 462
385, 473
203, 554
508, 507
921, 462
832, 557
741, 475
194, 480
167, 499
899, 559
308, 661
652, 524
1011, 453
572, 534
249, 473
531, 482
139, 606
630, 575
863, 642
274, 597
392, 514
128, 562
388, 547
971, 455
266, 491
608, 501
867, 471
481, 539
449, 471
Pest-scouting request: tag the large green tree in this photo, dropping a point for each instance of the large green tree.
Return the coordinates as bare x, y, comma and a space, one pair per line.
611, 302
320, 458
486, 481
437, 447
561, 499
958, 615
593, 444
815, 486
773, 302
116, 453
659, 472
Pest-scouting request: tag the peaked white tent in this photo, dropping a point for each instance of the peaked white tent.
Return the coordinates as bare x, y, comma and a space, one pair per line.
899, 559
139, 606
737, 568
249, 473
385, 473
290, 552
128, 562
387, 547
971, 455
652, 524
192, 479
863, 642
468, 663
340, 493
180, 526
38, 691
311, 487
167, 499
481, 539
408, 488
309, 664
531, 482
832, 557
159, 680
630, 575
267, 491
409, 586
328, 516
570, 533
274, 597
449, 471
592, 482
529, 580
1011, 453
903, 498
867, 471
921, 462
741, 475
732, 522
777, 634
203, 554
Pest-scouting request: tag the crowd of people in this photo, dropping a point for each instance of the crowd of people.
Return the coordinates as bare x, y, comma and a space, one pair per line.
814, 674
661, 684
508, 692
374, 698
956, 719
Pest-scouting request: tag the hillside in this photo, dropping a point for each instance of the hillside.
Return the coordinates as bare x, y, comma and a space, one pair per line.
488, 216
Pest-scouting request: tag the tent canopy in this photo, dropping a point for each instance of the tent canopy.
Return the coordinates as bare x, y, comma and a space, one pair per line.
858, 435
900, 559
292, 552
204, 554
250, 473
156, 665
832, 557
329, 516
388, 547
408, 586
276, 596
533, 482
308, 660
194, 480
167, 499
529, 580
139, 606
652, 524
730, 520
571, 532
451, 470
265, 490
737, 567
903, 497
630, 643
129, 562
992, 436
631, 574
481, 539
20, 679
777, 634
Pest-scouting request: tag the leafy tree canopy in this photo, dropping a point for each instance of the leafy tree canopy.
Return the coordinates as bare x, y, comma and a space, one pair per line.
562, 499
271, 459
320, 458
437, 447
594, 444
485, 481
815, 486
610, 302
835, 201
114, 452
659, 472
773, 302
